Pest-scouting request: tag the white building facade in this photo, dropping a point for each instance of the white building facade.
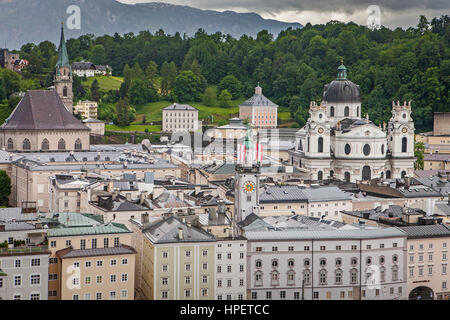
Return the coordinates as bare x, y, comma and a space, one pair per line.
231, 273
180, 117
326, 265
337, 142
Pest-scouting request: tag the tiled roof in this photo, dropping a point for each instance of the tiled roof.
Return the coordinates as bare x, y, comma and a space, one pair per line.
436, 157
42, 110
258, 100
9, 214
282, 194
166, 231
111, 228
324, 234
426, 231
180, 107
67, 254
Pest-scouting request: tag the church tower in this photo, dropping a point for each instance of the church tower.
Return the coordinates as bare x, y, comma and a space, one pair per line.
63, 78
401, 140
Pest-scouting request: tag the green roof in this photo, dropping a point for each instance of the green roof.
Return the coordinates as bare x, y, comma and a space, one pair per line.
2, 274
74, 219
63, 57
78, 231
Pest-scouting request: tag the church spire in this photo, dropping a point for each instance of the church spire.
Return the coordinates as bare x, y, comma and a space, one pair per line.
63, 57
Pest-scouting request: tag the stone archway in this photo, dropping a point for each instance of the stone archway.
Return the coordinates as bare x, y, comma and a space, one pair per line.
366, 173
421, 293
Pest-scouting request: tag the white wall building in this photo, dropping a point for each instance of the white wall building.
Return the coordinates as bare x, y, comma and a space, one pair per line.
180, 117
231, 273
337, 142
313, 263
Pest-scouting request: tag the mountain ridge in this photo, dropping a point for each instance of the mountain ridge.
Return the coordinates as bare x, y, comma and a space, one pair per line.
99, 17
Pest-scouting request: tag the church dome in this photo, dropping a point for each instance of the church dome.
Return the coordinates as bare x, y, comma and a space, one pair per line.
341, 90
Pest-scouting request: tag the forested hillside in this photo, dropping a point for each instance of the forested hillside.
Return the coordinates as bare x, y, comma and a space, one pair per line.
412, 64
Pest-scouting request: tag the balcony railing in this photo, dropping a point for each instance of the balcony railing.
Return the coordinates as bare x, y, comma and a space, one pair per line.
23, 250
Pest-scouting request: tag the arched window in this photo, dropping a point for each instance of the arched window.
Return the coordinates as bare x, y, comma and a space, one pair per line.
354, 276
338, 276
347, 176
61, 144
395, 273
388, 174
258, 278
357, 111
323, 262
274, 263
404, 144
403, 174
382, 175
10, 144
323, 277
65, 92
346, 112
320, 175
331, 111
382, 274
26, 144
290, 263
274, 278
45, 145
366, 173
291, 277
307, 277
258, 263
78, 145
308, 144
382, 149
320, 145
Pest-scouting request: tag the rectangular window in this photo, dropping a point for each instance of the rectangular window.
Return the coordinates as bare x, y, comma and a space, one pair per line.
113, 262
83, 244
116, 242
35, 279
94, 244
35, 296
113, 278
124, 277
124, 294
17, 263
35, 262
105, 242
17, 281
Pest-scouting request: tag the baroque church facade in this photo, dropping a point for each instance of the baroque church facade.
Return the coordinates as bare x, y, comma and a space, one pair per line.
337, 142
43, 120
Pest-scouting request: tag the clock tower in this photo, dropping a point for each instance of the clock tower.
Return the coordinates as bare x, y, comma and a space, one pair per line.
246, 189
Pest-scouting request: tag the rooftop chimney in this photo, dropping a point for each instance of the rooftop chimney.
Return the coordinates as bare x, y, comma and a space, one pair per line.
180, 233
145, 218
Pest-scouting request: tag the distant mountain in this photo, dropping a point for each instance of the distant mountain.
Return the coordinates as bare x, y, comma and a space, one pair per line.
23, 21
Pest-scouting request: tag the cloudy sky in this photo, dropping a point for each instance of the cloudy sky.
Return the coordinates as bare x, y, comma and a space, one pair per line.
393, 13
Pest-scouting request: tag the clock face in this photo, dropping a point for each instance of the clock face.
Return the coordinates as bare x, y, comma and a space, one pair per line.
404, 130
249, 187
320, 130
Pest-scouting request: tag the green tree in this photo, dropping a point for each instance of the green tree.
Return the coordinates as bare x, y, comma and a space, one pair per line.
123, 113
210, 97
168, 76
141, 92
225, 99
232, 85
188, 87
95, 90
5, 188
151, 72
97, 54
419, 149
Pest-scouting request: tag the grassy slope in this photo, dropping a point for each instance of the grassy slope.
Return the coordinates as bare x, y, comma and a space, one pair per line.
105, 83
133, 127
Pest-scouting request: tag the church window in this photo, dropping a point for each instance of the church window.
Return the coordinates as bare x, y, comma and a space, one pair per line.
348, 149
404, 116
26, 144
404, 144
45, 145
61, 144
347, 176
320, 145
388, 174
78, 145
320, 175
366, 149
357, 111
366, 173
382, 149
65, 92
403, 174
308, 144
331, 111
346, 111
10, 144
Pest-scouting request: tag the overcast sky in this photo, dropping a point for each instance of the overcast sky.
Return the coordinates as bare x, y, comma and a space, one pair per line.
394, 13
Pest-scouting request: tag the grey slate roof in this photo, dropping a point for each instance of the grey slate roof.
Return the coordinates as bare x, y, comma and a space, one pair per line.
283, 194
166, 231
42, 110
180, 107
426, 231
16, 226
258, 100
341, 91
324, 234
325, 194
9, 214
98, 252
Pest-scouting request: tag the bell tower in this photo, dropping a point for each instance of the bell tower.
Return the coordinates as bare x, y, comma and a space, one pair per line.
63, 78
246, 187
